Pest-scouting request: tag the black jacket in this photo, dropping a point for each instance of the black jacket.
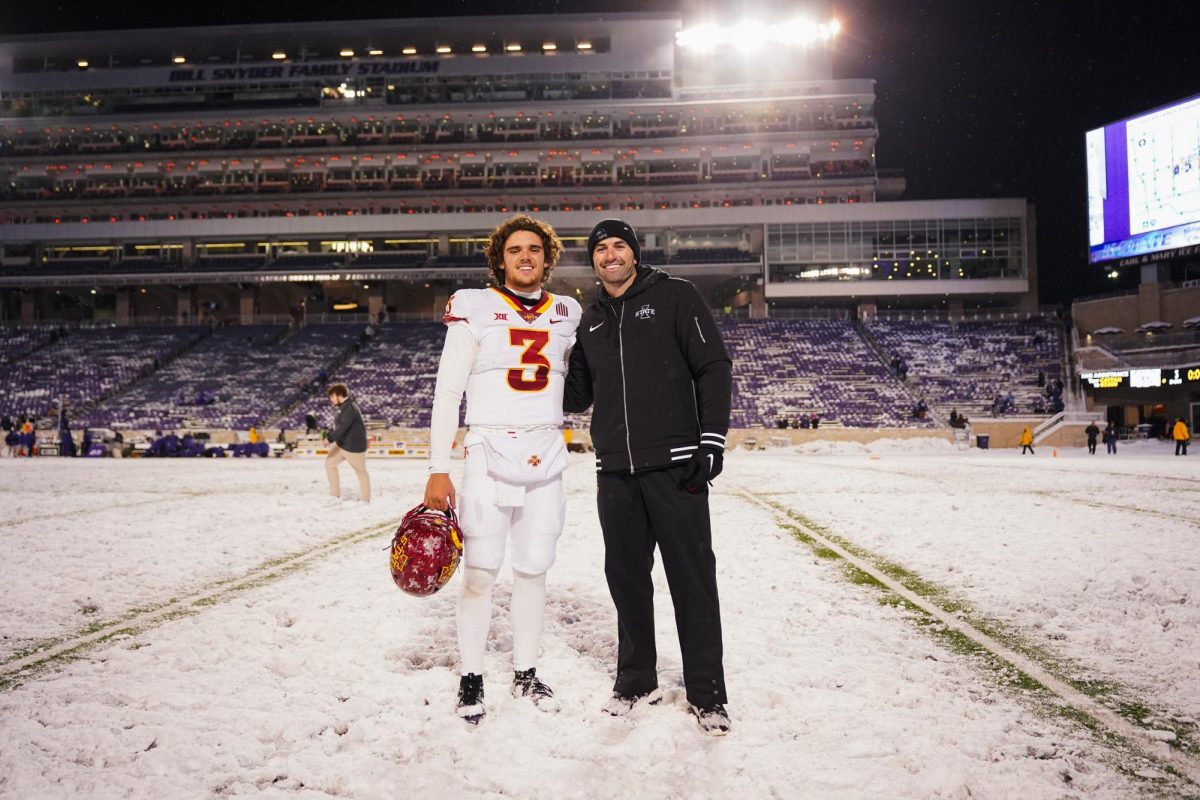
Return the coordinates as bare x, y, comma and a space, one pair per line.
350, 430
654, 364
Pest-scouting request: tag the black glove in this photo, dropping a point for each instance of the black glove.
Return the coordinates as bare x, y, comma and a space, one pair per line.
705, 465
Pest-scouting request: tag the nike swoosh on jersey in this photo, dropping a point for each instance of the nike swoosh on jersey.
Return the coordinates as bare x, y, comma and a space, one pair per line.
597, 325
556, 320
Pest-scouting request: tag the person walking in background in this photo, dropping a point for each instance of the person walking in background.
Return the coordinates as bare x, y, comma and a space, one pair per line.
1027, 441
1181, 435
28, 437
1110, 439
1093, 433
347, 442
651, 358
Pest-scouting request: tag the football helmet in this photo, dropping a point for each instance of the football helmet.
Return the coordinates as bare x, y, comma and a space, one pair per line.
425, 550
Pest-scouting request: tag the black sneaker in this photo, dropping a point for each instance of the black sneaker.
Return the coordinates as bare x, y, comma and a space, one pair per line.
470, 698
527, 684
713, 719
621, 704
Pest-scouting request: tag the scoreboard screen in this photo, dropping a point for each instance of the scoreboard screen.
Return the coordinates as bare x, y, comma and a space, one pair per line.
1143, 176
1142, 378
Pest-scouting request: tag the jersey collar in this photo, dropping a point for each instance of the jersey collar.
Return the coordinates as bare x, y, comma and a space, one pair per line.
531, 313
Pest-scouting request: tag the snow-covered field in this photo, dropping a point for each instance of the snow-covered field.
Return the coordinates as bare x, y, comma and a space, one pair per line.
326, 681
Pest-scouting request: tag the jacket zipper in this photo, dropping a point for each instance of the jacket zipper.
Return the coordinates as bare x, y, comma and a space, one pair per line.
624, 396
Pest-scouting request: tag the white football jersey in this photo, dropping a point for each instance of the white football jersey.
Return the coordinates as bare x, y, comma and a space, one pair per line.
521, 355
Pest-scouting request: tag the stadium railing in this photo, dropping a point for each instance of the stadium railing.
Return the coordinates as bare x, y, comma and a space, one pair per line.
967, 314
807, 313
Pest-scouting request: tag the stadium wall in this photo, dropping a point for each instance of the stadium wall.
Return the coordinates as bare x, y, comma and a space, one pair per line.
751, 438
1006, 433
412, 443
1152, 302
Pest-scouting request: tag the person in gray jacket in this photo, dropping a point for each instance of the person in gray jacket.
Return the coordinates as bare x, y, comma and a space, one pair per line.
347, 442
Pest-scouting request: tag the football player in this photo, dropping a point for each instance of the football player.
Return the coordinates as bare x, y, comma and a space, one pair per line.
506, 347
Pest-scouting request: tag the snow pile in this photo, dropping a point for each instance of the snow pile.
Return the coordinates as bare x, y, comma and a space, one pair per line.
922, 444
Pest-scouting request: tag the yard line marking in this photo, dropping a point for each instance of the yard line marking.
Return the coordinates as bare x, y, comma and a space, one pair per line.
1139, 739
47, 652
15, 523
1190, 520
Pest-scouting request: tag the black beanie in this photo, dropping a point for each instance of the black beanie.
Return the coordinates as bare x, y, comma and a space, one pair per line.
618, 228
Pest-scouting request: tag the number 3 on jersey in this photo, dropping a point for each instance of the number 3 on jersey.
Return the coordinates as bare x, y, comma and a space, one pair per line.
533, 341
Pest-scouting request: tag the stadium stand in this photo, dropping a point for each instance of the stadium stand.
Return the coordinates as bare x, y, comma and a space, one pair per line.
964, 365
87, 365
790, 367
247, 373
16, 343
392, 377
138, 188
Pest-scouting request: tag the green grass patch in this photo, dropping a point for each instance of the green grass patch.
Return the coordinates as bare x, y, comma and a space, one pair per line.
1123, 700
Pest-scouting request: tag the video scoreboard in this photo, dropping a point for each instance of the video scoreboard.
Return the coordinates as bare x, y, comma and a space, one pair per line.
1143, 378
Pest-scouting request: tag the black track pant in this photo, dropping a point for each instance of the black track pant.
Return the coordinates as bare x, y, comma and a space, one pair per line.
638, 512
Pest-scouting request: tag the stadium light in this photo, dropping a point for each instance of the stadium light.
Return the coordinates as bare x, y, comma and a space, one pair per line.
409, 51
444, 49
549, 46
479, 48
583, 46
750, 35
375, 51
702, 38
82, 63
279, 56
179, 60
346, 52
513, 48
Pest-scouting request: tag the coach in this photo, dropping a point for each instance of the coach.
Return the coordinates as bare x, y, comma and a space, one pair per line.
650, 356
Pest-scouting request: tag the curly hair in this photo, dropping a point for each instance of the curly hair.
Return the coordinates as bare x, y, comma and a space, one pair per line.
521, 222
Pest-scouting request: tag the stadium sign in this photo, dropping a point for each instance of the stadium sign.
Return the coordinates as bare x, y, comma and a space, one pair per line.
283, 72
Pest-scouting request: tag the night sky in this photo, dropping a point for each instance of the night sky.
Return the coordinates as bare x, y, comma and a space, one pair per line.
976, 98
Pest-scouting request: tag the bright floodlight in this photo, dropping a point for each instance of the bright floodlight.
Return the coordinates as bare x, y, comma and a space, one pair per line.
701, 38
748, 35
796, 32
751, 35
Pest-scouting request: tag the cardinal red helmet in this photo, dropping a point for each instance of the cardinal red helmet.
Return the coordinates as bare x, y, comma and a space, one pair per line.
425, 550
